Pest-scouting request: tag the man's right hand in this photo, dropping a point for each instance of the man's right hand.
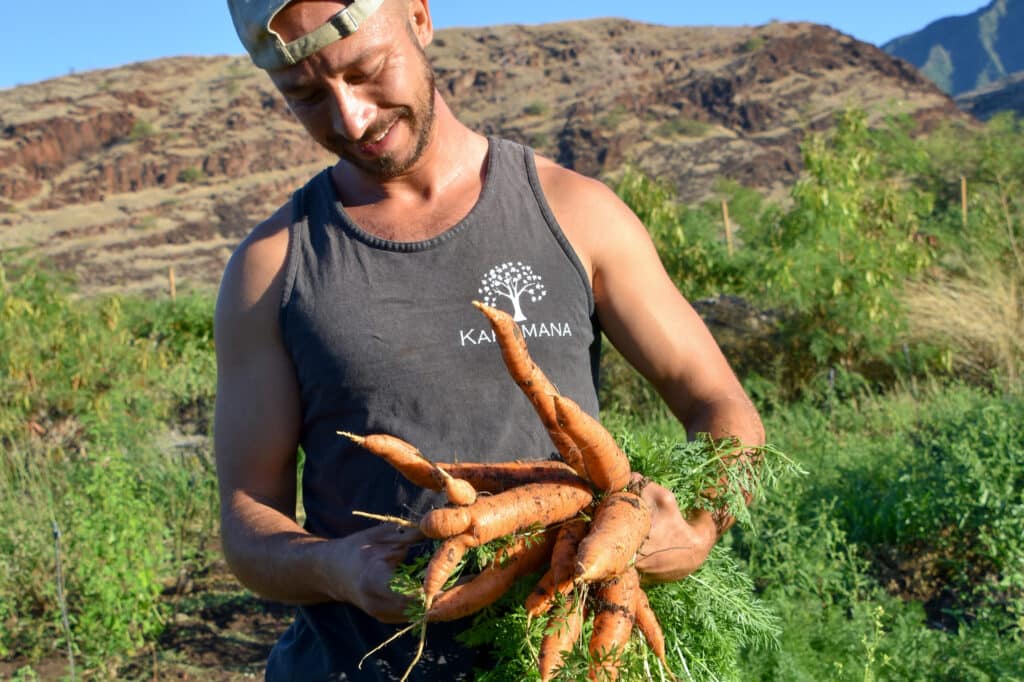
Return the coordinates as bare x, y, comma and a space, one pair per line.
367, 561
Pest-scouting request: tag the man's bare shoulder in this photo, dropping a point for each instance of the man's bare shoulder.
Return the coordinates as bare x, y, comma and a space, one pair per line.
255, 271
561, 184
589, 212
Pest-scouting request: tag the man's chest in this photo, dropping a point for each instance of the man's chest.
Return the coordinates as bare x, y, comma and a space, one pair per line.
414, 220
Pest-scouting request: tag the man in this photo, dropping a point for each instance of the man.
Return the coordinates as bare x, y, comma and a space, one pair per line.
350, 309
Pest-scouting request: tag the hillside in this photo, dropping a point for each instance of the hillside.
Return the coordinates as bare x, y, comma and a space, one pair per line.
967, 52
1006, 94
117, 175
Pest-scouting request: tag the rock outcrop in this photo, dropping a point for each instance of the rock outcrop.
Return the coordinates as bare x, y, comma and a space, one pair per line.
120, 174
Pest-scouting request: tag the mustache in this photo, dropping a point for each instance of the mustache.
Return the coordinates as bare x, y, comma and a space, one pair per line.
374, 131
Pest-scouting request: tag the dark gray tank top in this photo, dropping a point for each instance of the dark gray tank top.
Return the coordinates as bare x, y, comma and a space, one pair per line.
385, 339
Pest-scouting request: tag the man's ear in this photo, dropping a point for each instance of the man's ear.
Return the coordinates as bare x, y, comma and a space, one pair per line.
420, 21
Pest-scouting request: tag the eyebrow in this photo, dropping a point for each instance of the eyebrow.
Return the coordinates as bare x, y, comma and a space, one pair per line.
290, 83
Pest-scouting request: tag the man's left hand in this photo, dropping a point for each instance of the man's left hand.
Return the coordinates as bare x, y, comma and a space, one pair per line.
676, 546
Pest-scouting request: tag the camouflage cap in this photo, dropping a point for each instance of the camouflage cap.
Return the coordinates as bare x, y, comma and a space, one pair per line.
252, 23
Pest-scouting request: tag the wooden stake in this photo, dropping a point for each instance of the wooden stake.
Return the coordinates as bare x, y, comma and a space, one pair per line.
728, 226
963, 198
170, 280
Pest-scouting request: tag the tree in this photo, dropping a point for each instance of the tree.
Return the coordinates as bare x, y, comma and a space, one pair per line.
512, 281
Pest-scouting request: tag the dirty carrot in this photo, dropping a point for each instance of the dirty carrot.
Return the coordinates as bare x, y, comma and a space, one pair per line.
621, 523
442, 565
444, 522
563, 629
529, 377
496, 477
559, 577
604, 463
530, 504
648, 625
542, 596
525, 555
403, 456
459, 491
614, 616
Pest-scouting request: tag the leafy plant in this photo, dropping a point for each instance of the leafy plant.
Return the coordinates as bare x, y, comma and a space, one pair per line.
117, 553
89, 389
141, 129
836, 261
191, 174
684, 127
536, 108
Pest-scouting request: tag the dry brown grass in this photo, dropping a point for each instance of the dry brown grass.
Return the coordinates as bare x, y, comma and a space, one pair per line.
979, 318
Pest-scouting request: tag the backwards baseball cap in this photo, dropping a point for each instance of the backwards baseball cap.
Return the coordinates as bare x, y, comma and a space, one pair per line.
252, 23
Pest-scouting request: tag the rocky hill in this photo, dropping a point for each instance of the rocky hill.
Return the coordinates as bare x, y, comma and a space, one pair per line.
967, 52
118, 175
1006, 94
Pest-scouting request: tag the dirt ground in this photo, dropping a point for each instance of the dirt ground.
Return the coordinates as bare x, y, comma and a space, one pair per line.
216, 632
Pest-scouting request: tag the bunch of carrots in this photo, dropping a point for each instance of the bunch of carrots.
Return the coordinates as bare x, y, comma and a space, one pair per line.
581, 519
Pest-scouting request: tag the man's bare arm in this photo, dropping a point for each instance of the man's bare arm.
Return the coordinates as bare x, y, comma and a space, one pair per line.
650, 322
256, 435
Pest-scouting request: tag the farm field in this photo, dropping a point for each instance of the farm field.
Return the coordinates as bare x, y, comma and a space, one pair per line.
890, 373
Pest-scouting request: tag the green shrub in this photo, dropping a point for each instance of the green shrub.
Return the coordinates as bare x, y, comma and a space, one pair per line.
537, 108
690, 241
88, 392
683, 127
836, 260
141, 129
191, 174
117, 552
912, 506
753, 44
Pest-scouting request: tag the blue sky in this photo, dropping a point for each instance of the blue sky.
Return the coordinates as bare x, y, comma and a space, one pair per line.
40, 40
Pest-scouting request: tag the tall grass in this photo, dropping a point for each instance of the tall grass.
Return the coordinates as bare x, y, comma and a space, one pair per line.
95, 398
977, 319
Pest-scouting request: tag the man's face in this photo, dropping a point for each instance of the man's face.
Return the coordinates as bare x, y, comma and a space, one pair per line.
368, 98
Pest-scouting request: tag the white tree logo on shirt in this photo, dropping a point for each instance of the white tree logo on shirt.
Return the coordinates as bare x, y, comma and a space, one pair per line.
512, 281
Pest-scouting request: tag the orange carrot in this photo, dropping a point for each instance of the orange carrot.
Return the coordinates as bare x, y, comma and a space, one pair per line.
606, 466
496, 477
511, 511
530, 504
562, 631
542, 596
614, 616
442, 565
458, 490
567, 543
648, 625
525, 555
445, 522
403, 456
559, 577
620, 526
530, 378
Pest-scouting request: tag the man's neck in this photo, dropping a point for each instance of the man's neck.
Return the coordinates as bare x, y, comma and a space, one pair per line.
452, 152
432, 196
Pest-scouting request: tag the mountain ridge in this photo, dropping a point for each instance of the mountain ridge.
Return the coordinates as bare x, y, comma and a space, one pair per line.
119, 174
967, 52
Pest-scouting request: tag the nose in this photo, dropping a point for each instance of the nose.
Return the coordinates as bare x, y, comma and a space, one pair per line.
353, 113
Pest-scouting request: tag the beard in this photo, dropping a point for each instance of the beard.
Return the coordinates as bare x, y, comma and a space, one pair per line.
419, 116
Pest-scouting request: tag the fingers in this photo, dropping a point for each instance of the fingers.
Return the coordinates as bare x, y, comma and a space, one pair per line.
660, 499
381, 549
